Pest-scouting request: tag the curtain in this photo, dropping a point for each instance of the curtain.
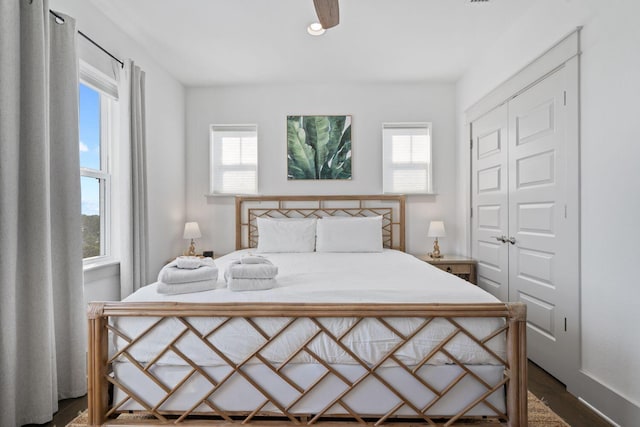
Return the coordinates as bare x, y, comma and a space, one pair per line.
42, 321
133, 267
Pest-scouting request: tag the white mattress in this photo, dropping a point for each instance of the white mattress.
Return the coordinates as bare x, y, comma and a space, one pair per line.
387, 277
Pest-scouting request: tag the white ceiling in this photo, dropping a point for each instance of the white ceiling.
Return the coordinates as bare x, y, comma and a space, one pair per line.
211, 42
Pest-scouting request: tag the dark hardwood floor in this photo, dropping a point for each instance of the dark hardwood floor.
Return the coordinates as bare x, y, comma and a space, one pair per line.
543, 385
554, 394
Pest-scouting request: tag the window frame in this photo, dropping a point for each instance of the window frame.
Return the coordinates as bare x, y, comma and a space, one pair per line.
213, 191
107, 90
387, 164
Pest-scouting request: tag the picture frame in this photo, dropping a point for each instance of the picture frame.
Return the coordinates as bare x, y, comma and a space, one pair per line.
319, 147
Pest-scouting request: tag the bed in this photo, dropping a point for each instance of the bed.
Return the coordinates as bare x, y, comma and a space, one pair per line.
374, 337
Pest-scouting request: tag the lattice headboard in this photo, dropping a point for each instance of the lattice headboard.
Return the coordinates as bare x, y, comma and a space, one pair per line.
390, 207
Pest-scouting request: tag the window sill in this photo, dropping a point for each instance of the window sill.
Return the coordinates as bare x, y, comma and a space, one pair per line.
101, 269
99, 264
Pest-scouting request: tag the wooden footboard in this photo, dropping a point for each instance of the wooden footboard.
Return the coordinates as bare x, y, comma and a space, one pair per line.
103, 409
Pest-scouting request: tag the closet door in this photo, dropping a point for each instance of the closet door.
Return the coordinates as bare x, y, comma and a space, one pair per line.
490, 220
543, 233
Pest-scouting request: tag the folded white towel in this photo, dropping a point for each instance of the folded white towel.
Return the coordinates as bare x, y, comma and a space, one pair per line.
251, 267
192, 262
250, 284
171, 274
253, 271
254, 259
186, 288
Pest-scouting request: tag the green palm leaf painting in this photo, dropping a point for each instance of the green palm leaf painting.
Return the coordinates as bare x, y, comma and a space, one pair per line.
319, 147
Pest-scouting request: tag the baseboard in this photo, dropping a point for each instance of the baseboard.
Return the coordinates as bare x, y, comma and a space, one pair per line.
610, 405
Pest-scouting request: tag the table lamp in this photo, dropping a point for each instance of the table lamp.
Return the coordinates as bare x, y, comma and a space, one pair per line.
192, 231
436, 229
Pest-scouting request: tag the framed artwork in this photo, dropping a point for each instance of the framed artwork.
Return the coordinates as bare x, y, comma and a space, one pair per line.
318, 147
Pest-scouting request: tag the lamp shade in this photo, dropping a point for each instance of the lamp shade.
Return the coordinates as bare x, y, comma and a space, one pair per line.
436, 229
191, 230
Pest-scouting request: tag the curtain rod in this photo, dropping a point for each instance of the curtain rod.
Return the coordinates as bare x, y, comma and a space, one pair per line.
90, 40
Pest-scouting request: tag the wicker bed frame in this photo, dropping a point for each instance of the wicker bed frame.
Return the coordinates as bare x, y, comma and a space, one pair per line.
103, 411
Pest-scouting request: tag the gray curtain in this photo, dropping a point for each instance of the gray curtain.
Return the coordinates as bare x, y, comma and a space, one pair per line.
138, 140
42, 321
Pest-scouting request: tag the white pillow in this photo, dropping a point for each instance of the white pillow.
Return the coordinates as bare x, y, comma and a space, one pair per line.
286, 234
361, 234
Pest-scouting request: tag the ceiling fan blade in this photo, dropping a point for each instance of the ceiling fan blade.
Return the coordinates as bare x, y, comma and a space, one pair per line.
328, 12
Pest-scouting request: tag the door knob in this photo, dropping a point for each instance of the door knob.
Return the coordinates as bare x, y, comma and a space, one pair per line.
502, 239
512, 240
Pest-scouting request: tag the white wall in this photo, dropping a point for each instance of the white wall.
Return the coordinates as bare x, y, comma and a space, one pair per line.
610, 205
370, 105
165, 109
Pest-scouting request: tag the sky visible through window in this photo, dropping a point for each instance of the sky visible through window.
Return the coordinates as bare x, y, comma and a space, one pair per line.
90, 147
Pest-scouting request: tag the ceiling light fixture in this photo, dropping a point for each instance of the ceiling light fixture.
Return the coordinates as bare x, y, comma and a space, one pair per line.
315, 29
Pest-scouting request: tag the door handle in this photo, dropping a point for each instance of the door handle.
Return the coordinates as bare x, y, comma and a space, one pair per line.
512, 240
502, 239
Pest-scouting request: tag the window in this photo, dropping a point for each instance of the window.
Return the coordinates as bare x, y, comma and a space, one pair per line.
96, 104
406, 158
234, 159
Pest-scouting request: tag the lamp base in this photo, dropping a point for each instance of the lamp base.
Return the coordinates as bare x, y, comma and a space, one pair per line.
436, 250
192, 249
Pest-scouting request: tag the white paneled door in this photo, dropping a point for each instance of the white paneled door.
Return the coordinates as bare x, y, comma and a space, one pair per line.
490, 201
535, 218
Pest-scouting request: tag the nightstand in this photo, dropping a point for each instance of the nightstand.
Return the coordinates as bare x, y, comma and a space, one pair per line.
462, 267
215, 255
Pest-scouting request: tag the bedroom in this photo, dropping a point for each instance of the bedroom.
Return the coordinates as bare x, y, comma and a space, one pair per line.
179, 116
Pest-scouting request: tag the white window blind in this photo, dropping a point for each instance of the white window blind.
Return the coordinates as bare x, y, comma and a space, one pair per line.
234, 159
406, 158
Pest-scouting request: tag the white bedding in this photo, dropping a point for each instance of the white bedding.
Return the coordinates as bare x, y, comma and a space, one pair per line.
386, 277
370, 397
